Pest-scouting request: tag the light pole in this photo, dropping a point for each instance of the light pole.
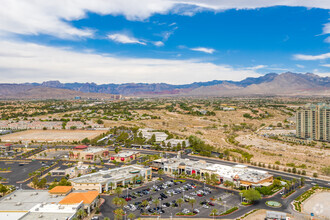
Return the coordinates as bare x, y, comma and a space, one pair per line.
241, 194
127, 193
225, 205
171, 216
125, 215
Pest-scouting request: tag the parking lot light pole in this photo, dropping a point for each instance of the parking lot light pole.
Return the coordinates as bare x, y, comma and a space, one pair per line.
171, 216
241, 194
225, 205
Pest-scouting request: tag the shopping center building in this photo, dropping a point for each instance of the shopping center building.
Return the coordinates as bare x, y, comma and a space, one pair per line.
240, 175
105, 180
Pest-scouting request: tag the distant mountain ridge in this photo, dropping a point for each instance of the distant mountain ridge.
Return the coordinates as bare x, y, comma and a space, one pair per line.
290, 84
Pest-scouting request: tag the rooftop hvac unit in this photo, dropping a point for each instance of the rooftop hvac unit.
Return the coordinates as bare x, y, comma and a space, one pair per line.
40, 216
37, 209
19, 203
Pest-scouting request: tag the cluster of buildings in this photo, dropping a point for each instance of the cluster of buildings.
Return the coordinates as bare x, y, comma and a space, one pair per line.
105, 180
61, 203
74, 171
313, 122
38, 125
147, 133
83, 152
125, 156
240, 175
175, 142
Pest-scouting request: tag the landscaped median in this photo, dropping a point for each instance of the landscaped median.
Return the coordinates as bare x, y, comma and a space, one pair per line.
303, 197
288, 194
229, 211
185, 214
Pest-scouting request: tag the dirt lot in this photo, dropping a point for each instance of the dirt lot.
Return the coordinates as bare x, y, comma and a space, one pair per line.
50, 135
317, 204
267, 150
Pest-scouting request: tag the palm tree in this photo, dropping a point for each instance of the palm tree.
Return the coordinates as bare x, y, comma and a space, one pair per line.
131, 216
116, 201
122, 202
192, 202
214, 212
112, 185
81, 213
156, 202
294, 183
118, 191
179, 201
145, 203
119, 214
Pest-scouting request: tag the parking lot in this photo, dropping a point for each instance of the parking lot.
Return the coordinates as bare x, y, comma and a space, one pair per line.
168, 192
20, 170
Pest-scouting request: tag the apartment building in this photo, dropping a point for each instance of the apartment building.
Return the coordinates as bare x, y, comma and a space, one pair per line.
313, 122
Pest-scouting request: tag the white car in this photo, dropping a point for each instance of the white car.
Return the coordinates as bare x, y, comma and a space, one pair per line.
206, 206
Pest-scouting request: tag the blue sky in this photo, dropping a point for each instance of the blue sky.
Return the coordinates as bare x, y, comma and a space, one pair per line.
172, 42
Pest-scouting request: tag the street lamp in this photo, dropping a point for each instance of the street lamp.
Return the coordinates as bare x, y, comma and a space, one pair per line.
241, 194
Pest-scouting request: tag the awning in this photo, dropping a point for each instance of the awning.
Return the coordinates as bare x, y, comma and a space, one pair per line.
266, 184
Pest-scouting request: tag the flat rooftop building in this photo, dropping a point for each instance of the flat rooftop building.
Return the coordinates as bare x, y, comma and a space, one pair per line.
125, 156
239, 174
104, 180
52, 211
21, 201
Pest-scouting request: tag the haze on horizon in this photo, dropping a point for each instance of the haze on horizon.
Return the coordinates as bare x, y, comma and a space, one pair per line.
154, 41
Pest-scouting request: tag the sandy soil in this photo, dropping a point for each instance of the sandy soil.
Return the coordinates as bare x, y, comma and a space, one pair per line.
50, 135
318, 204
312, 157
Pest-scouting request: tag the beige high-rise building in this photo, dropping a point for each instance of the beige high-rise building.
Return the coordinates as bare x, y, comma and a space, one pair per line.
313, 122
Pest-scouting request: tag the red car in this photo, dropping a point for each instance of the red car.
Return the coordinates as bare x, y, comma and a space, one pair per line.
200, 195
128, 199
211, 204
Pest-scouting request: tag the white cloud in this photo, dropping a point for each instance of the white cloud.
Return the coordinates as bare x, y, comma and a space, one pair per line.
326, 65
257, 67
203, 49
320, 73
52, 17
26, 62
311, 57
125, 39
300, 66
158, 43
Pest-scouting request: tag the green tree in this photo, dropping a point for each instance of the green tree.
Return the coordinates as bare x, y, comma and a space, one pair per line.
119, 214
85, 141
106, 218
192, 202
214, 212
116, 201
131, 216
81, 213
122, 202
118, 191
155, 202
251, 195
179, 201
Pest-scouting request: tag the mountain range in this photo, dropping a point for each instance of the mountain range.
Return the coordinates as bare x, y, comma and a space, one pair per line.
271, 84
